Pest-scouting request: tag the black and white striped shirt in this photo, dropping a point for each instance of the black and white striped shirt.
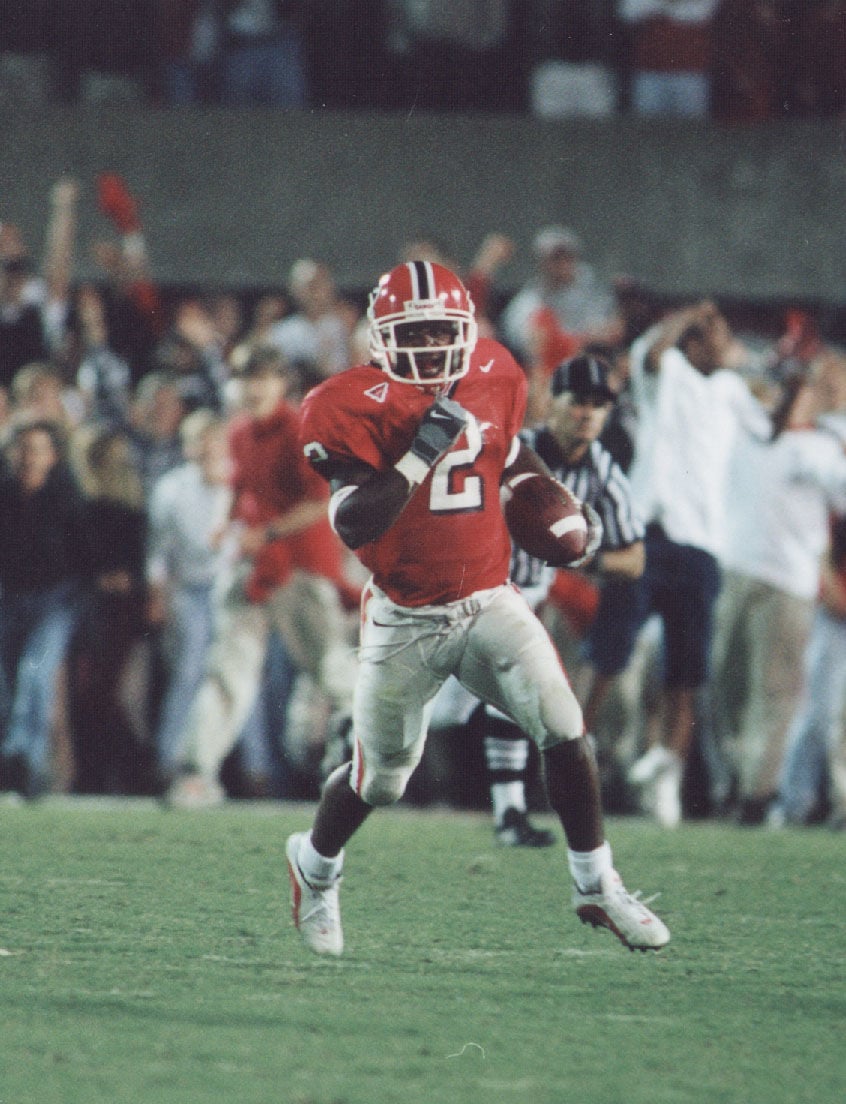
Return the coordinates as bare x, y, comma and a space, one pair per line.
596, 479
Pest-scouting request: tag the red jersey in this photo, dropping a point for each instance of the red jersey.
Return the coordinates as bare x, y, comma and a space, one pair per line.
269, 478
450, 539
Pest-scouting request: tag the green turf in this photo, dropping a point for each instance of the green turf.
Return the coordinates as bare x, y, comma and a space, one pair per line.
146, 956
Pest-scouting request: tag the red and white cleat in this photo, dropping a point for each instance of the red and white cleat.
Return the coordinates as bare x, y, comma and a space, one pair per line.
623, 913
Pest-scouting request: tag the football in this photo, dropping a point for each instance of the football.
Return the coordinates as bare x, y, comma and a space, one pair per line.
544, 518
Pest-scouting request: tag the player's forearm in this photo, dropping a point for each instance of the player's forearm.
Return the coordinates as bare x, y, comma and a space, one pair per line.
361, 513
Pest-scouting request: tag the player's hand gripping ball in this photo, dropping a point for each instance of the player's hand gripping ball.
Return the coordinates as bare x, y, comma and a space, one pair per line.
546, 519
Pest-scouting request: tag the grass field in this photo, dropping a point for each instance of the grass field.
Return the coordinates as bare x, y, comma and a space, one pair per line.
146, 956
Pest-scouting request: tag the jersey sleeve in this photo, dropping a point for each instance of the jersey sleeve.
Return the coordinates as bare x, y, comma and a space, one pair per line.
336, 427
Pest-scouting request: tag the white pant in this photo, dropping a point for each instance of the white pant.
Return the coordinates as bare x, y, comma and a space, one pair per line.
760, 640
493, 644
308, 615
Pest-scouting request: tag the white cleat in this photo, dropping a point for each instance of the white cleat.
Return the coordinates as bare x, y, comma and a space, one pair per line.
651, 765
195, 791
666, 796
658, 773
315, 910
623, 913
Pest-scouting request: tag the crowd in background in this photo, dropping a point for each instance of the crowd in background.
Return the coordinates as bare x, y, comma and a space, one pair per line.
122, 406
732, 60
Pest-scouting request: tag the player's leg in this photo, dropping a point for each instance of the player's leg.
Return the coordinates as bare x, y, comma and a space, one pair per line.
391, 709
510, 661
315, 860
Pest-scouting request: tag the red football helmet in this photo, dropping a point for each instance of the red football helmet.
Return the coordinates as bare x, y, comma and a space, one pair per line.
422, 329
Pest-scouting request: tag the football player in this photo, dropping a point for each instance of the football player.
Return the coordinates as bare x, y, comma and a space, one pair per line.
415, 445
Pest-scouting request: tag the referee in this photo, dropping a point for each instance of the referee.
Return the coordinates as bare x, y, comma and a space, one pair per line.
582, 399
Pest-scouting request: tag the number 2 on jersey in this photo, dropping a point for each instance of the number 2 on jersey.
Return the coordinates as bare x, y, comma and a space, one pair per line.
444, 497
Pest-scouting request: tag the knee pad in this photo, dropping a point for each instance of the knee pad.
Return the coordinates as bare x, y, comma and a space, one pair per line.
384, 787
380, 783
560, 722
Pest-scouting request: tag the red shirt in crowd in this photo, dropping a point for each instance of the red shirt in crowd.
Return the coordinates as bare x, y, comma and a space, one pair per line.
270, 477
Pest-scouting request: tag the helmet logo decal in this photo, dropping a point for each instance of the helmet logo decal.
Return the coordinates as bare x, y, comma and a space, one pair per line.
420, 306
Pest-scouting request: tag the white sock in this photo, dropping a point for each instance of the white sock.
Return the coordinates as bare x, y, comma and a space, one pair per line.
507, 795
587, 867
316, 868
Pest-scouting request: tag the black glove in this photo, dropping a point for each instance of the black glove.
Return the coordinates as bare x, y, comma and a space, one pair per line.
442, 425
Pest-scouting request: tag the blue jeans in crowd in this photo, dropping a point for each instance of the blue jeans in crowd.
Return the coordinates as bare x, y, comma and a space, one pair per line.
35, 631
186, 642
816, 727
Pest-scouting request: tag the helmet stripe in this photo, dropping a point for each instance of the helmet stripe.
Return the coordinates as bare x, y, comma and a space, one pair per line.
422, 280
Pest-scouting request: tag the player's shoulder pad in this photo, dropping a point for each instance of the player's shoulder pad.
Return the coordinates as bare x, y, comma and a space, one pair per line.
333, 416
492, 356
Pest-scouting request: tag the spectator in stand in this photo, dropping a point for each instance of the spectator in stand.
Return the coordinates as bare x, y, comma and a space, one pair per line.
263, 55
751, 66
829, 371
99, 48
816, 747
451, 56
565, 306
103, 378
671, 55
39, 394
620, 429
226, 312
6, 418
188, 510
815, 758
46, 554
135, 316
783, 488
188, 37
33, 308
156, 414
285, 572
315, 339
567, 290
690, 405
109, 696
820, 87
190, 355
270, 307
573, 49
